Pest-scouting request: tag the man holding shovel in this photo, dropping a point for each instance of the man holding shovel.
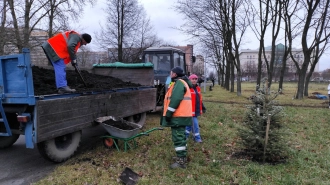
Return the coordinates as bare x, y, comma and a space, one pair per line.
61, 50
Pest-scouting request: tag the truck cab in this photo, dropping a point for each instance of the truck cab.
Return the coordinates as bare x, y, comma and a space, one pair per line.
164, 59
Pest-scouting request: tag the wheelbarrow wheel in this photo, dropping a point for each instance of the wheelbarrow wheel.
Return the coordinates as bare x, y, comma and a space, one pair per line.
109, 143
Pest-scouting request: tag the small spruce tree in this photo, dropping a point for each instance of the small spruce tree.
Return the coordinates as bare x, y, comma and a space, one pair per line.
262, 142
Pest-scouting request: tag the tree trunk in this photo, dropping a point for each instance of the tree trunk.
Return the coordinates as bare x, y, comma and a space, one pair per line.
302, 77
121, 35
223, 75
308, 77
300, 89
283, 70
2, 28
18, 43
239, 89
232, 76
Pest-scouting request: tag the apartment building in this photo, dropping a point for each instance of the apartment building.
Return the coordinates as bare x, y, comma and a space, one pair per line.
198, 66
249, 59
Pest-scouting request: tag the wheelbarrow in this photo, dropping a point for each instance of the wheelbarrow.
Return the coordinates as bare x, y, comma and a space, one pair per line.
120, 129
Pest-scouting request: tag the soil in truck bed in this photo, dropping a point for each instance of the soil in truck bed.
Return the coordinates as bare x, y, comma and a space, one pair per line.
44, 81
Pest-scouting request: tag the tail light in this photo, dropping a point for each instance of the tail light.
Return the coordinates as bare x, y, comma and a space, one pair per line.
23, 118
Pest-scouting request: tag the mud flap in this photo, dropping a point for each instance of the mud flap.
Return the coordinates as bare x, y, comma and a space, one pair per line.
29, 135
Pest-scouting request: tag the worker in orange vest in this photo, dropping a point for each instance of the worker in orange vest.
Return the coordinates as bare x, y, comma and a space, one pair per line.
197, 109
177, 114
61, 50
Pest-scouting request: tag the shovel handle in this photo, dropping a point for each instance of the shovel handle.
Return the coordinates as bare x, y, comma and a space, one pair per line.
78, 71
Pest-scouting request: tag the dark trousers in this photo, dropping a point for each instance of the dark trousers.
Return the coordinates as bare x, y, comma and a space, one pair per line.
179, 141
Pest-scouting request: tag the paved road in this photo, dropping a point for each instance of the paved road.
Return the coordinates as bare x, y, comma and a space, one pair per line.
22, 166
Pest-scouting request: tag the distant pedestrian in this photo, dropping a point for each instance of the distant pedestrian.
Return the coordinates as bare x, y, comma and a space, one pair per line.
212, 79
197, 109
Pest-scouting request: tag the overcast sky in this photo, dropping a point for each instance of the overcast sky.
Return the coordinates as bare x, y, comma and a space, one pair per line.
163, 19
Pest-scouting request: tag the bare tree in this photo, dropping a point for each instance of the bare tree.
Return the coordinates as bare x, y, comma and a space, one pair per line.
127, 30
321, 26
203, 26
25, 18
315, 21
26, 15
236, 24
260, 14
58, 14
276, 15
3, 25
284, 60
218, 26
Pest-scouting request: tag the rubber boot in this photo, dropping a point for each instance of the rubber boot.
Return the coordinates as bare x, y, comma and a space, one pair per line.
181, 162
65, 89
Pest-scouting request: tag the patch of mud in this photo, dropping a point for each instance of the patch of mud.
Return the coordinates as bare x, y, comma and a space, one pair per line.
248, 155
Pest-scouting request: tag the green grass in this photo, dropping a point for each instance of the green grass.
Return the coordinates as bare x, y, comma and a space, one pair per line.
211, 162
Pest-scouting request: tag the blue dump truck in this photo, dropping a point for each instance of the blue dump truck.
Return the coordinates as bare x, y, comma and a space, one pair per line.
53, 122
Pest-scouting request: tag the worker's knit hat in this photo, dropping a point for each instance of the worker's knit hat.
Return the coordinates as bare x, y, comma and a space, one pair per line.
193, 76
178, 70
86, 37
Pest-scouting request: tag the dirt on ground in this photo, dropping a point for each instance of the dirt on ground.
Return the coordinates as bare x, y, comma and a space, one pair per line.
44, 82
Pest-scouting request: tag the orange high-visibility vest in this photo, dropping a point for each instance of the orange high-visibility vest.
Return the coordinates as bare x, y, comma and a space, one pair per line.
193, 100
184, 108
59, 43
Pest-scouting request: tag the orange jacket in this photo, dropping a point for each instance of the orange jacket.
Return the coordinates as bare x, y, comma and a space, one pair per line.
184, 108
59, 43
193, 100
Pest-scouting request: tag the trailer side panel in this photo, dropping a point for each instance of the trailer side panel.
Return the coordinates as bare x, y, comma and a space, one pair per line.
61, 116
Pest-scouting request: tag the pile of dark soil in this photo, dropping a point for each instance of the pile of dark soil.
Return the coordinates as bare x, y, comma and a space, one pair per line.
249, 155
44, 81
119, 124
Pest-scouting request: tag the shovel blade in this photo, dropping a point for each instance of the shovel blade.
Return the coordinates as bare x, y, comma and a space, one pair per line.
129, 177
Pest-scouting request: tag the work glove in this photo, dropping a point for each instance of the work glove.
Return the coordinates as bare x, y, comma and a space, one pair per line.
74, 62
168, 119
168, 116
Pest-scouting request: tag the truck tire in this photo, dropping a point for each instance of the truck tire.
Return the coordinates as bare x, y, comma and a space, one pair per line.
61, 148
139, 119
8, 141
